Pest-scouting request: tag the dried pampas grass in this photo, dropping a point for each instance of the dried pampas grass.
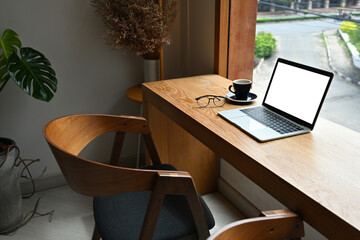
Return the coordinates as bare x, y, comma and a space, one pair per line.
137, 25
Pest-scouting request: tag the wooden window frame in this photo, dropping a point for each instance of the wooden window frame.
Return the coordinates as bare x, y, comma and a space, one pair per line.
235, 38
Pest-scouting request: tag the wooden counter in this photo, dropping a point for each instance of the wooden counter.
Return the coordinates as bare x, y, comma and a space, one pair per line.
315, 175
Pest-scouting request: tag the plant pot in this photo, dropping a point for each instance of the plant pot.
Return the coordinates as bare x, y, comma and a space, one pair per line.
151, 70
10, 192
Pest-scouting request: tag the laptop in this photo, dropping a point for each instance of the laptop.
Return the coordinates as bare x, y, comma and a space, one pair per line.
291, 104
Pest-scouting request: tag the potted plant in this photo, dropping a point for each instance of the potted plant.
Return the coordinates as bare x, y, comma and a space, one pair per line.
142, 26
32, 72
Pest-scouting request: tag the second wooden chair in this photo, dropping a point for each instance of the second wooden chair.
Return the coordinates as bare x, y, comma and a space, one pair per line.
273, 225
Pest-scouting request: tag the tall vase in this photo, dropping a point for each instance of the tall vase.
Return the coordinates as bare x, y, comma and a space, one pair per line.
151, 70
10, 192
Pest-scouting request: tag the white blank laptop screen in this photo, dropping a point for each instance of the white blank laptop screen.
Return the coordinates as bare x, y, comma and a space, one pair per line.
296, 91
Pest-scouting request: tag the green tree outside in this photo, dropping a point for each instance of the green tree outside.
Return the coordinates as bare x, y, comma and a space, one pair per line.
265, 44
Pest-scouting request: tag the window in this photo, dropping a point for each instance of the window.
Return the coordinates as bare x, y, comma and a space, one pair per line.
298, 41
309, 41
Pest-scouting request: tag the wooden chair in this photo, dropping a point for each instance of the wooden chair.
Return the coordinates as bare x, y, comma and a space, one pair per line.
274, 225
127, 202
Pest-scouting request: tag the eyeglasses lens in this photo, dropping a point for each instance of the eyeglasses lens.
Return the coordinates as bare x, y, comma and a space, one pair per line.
219, 101
203, 102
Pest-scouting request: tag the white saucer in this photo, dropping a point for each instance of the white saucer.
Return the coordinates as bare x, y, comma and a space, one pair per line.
231, 97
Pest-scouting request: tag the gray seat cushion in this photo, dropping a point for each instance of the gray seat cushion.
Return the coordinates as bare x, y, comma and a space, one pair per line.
121, 216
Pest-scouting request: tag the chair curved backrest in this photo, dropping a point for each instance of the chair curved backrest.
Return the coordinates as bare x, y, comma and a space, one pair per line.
275, 225
68, 135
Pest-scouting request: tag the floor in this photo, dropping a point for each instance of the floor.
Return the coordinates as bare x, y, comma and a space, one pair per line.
73, 219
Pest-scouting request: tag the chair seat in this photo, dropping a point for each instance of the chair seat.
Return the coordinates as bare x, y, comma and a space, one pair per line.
121, 216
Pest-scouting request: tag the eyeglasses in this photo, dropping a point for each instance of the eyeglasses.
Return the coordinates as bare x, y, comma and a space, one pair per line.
204, 101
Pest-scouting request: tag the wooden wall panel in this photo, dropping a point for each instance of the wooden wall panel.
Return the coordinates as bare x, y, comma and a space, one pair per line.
242, 38
221, 37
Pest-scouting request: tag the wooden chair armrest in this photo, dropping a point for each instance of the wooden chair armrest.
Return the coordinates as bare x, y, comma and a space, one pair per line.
275, 213
274, 225
177, 183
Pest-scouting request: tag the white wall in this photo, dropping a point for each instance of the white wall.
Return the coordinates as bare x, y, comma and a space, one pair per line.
92, 77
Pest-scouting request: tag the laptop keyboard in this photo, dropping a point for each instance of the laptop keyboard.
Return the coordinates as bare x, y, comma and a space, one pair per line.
271, 120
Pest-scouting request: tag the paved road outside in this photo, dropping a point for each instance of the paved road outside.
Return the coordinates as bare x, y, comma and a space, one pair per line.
302, 42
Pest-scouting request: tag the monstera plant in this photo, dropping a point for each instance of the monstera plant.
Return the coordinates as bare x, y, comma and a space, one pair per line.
32, 72
29, 68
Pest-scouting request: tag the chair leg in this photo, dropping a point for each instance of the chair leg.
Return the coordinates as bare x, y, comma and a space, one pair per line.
96, 234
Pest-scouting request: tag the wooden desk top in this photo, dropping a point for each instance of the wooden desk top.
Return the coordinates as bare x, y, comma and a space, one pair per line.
315, 175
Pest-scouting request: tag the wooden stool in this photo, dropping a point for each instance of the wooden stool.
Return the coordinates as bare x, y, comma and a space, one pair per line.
135, 93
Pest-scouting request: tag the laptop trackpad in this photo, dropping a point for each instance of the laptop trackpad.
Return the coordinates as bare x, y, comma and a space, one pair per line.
248, 123
256, 128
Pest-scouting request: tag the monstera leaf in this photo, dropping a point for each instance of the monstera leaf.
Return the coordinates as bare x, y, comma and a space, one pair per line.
9, 42
33, 73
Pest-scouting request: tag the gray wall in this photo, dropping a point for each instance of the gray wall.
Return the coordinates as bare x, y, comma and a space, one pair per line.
92, 77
